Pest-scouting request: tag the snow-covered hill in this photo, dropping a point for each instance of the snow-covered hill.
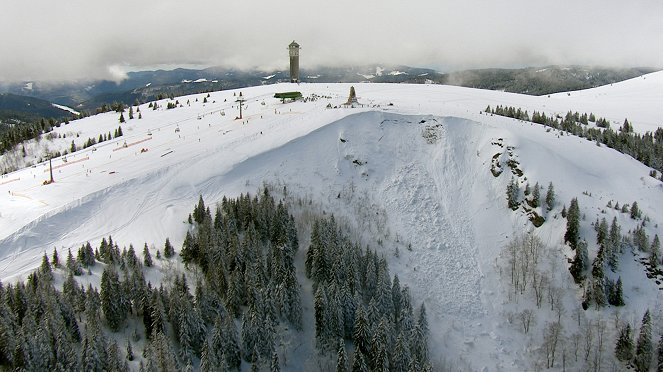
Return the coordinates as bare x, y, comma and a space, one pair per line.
409, 167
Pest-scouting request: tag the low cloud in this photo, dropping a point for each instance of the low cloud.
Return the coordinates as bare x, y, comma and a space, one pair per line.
82, 39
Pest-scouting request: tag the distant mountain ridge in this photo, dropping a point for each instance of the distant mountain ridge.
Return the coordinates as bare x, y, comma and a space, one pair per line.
15, 108
144, 86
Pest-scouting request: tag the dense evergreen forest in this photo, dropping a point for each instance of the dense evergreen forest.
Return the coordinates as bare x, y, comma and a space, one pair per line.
247, 298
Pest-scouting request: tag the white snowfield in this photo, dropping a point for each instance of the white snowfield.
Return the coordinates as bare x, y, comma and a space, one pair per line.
415, 159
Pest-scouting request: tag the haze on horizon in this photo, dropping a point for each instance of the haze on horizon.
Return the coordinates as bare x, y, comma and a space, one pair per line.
83, 40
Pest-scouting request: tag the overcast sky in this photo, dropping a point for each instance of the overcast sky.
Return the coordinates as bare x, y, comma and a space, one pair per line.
88, 39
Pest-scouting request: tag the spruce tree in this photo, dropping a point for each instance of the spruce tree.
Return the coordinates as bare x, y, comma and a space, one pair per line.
361, 334
45, 271
644, 348
207, 360
401, 355
114, 362
55, 259
113, 303
147, 257
635, 211
121, 118
359, 362
512, 192
168, 250
536, 196
274, 364
580, 262
341, 359
572, 224
618, 299
624, 345
230, 343
655, 252
322, 331
160, 355
550, 197
602, 232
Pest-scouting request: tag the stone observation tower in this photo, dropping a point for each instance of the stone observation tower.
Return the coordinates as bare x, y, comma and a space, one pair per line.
294, 62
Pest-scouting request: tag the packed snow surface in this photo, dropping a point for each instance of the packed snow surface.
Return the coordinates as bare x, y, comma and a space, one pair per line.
413, 159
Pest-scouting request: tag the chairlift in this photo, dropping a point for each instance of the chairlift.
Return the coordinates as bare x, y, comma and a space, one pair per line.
223, 113
177, 129
149, 132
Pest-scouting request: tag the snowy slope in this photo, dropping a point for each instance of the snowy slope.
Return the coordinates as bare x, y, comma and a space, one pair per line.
412, 166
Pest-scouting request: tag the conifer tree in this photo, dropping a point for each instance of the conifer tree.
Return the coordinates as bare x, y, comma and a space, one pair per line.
322, 318
624, 345
572, 224
147, 257
45, 269
341, 359
168, 250
359, 362
536, 196
402, 354
121, 118
55, 259
379, 356
274, 364
361, 335
512, 191
655, 252
113, 302
72, 265
644, 347
131, 112
580, 262
396, 297
550, 197
602, 232
207, 360
635, 211
160, 355
114, 363
229, 343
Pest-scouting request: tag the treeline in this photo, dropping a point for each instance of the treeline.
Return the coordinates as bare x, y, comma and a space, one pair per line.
91, 141
13, 134
646, 148
246, 300
249, 245
598, 288
355, 300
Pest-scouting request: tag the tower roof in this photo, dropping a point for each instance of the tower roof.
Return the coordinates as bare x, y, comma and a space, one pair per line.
293, 44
